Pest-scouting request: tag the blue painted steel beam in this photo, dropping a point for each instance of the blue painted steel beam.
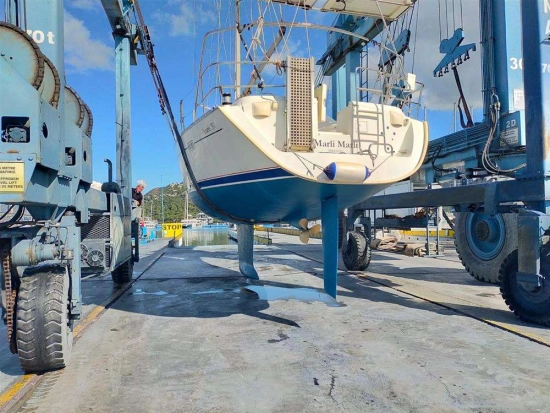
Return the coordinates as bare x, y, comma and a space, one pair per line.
530, 191
339, 45
339, 102
502, 64
535, 17
123, 115
329, 219
344, 82
353, 61
117, 12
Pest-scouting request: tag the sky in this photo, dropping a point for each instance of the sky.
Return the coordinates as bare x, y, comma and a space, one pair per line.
177, 28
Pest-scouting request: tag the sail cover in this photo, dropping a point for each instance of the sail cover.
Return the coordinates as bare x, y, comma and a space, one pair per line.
389, 9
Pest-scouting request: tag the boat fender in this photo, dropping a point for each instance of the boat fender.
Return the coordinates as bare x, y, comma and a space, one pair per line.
346, 172
261, 110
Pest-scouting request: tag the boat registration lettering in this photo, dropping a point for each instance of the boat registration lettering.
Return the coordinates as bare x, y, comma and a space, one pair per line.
12, 177
210, 128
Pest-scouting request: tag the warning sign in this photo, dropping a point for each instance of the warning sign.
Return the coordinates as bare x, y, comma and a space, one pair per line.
12, 177
171, 230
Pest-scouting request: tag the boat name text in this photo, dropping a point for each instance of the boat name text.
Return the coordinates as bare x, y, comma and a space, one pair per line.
335, 144
210, 128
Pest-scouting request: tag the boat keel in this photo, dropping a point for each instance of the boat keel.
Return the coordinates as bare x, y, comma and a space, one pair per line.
329, 217
245, 236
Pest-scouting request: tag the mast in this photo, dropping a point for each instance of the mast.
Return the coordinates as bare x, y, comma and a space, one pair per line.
186, 205
237, 49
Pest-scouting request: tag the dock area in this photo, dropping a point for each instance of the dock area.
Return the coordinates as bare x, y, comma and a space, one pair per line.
190, 334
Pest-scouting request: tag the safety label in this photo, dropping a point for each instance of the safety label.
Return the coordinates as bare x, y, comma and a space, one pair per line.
12, 177
509, 137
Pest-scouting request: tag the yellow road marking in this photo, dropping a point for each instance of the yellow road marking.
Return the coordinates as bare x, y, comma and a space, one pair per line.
14, 389
87, 320
20, 384
519, 332
435, 300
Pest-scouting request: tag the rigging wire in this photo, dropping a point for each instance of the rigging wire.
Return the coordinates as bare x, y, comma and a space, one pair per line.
454, 20
167, 112
447, 19
439, 15
417, 7
307, 33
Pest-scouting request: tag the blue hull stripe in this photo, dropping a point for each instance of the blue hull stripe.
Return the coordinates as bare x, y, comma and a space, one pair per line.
245, 177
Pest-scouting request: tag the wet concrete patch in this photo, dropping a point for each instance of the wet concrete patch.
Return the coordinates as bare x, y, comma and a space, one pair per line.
306, 295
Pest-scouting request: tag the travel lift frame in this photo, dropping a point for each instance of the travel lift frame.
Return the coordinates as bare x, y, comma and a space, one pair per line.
525, 271
46, 168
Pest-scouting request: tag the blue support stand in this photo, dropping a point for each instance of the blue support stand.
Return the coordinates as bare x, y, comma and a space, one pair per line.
329, 217
245, 240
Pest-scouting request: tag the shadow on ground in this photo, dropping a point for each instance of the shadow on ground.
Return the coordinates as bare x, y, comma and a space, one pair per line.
171, 289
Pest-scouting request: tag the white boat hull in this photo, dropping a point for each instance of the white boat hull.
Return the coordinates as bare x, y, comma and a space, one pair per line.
249, 176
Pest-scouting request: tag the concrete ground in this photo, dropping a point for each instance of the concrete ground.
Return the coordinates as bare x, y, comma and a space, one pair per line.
406, 336
96, 289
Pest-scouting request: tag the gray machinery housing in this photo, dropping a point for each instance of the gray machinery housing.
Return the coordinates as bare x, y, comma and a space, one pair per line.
46, 170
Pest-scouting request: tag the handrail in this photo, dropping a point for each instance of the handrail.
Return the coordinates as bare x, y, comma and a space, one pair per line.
289, 25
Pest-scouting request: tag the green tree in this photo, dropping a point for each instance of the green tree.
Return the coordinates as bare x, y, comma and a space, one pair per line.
174, 203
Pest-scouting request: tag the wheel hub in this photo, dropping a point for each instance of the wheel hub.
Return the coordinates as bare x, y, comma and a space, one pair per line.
482, 230
485, 235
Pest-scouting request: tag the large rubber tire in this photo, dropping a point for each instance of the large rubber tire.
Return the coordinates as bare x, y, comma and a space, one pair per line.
123, 274
533, 307
43, 326
357, 254
341, 228
483, 242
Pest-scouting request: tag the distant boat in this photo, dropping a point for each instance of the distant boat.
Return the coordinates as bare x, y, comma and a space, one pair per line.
192, 223
149, 224
215, 225
268, 153
201, 221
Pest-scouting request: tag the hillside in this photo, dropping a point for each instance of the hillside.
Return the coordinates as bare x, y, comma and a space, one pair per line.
174, 203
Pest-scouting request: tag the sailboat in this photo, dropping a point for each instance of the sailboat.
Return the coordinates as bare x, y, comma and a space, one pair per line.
262, 149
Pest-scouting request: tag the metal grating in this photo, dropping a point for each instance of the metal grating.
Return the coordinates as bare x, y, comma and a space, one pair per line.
459, 141
108, 252
300, 73
96, 228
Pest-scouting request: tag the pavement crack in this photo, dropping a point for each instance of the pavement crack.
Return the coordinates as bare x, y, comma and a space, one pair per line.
332, 384
440, 380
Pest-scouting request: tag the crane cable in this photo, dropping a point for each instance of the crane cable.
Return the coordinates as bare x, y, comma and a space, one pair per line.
166, 110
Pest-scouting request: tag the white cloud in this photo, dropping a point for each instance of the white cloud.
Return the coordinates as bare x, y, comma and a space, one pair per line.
85, 4
441, 92
188, 14
82, 53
